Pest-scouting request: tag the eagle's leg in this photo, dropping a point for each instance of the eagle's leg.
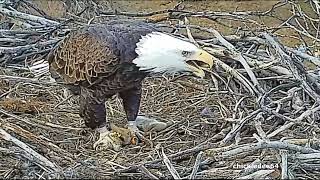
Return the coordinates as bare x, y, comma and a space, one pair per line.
131, 103
93, 111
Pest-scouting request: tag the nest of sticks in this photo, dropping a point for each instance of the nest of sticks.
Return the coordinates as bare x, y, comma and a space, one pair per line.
256, 115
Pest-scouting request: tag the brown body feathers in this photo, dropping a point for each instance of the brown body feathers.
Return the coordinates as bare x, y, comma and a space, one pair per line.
96, 62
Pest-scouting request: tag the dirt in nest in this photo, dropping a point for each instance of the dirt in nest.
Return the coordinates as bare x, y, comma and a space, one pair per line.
30, 105
180, 103
162, 99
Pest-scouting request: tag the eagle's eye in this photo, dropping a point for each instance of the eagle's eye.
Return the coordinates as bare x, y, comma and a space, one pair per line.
186, 53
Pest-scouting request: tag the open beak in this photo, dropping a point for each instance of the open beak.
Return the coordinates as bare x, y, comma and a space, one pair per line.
200, 61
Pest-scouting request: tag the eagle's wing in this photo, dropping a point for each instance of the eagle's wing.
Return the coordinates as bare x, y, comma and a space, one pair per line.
96, 52
83, 57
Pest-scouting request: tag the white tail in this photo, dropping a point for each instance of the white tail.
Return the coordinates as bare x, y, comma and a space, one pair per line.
39, 68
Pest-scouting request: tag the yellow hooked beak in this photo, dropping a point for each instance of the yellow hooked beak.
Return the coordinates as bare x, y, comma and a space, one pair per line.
200, 61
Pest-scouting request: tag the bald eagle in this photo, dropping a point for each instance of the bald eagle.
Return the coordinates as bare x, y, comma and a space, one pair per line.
101, 60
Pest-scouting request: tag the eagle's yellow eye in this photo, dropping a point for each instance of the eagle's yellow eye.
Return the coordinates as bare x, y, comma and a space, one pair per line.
186, 53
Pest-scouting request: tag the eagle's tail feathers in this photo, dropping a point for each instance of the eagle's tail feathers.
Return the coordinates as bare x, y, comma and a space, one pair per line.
39, 68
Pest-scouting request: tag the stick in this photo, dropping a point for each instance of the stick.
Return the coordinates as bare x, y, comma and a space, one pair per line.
26, 47
145, 171
190, 35
257, 146
238, 127
284, 164
251, 168
196, 165
289, 62
39, 159
259, 129
31, 137
239, 57
28, 80
310, 156
20, 15
280, 129
257, 175
170, 167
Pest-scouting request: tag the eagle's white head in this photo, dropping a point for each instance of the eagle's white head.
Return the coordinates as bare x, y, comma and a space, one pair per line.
159, 52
